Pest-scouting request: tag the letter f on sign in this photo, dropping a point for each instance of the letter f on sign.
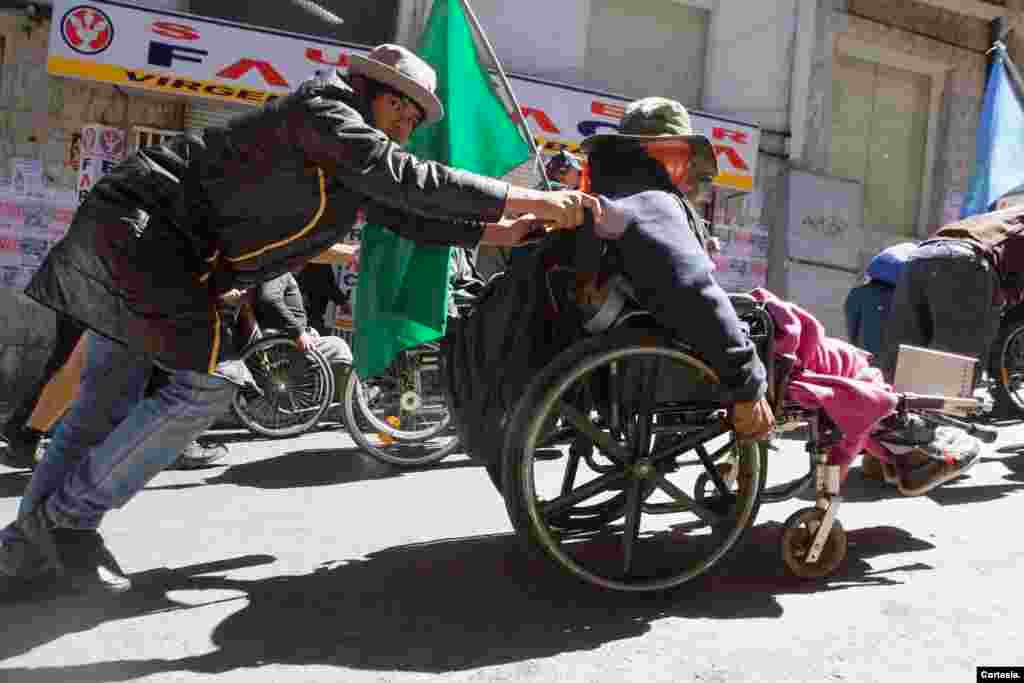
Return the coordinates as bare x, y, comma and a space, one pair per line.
163, 54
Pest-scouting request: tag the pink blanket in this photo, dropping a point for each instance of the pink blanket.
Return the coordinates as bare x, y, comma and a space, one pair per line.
831, 374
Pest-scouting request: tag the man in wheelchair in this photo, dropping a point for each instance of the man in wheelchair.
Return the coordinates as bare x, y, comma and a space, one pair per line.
655, 238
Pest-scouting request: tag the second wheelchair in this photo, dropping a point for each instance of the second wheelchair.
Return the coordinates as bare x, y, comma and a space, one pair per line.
399, 417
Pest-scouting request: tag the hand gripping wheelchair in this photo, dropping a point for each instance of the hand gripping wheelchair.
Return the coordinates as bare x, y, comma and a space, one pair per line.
619, 465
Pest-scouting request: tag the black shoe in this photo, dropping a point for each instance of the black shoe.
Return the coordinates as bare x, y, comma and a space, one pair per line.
20, 451
905, 431
197, 456
88, 562
29, 556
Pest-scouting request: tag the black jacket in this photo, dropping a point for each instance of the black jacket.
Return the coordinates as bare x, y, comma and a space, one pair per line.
173, 226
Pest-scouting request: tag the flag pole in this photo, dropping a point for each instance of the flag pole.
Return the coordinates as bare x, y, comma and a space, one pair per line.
1000, 29
519, 118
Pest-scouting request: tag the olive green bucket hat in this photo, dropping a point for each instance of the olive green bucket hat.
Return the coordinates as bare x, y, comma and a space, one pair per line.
654, 119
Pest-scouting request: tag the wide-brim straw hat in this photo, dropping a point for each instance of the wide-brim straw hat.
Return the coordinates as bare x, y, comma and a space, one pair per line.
400, 69
656, 119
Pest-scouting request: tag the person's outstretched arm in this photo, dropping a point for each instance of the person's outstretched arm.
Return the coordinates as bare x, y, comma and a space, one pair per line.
333, 135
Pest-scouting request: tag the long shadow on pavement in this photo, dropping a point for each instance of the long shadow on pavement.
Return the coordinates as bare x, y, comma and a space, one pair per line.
859, 489
318, 468
438, 607
1014, 463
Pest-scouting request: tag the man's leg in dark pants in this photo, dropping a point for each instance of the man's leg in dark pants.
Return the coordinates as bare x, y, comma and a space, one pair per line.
964, 316
22, 441
909, 319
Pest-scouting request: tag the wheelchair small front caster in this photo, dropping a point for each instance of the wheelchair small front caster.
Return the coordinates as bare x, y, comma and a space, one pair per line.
797, 538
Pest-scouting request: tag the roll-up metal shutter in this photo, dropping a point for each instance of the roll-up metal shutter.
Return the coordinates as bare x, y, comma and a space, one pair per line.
200, 114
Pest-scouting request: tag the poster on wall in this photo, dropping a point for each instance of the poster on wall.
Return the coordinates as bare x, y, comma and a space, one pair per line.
27, 177
742, 264
30, 224
340, 317
100, 149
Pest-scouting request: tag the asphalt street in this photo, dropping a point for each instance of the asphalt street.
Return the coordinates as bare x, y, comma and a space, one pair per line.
302, 560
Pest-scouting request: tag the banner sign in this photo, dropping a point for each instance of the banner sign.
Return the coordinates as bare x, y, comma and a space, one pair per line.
561, 117
183, 54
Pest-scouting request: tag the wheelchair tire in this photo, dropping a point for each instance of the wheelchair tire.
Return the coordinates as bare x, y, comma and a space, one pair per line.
387, 442
283, 372
541, 521
1006, 368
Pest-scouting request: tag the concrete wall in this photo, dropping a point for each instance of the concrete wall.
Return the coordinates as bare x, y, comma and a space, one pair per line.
957, 122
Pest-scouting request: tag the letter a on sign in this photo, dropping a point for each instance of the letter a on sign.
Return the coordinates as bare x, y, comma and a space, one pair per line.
243, 66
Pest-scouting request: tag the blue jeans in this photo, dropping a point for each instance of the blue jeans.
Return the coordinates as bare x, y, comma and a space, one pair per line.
114, 440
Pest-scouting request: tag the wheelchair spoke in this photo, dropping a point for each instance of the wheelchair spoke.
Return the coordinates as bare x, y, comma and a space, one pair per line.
634, 501
709, 467
690, 442
686, 503
588, 490
600, 439
276, 407
572, 466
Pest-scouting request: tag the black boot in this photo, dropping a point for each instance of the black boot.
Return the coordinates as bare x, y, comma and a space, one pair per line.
88, 562
29, 557
20, 451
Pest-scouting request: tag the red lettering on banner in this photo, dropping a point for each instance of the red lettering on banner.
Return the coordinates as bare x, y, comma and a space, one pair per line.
736, 136
315, 54
614, 111
172, 30
733, 157
8, 244
542, 120
244, 66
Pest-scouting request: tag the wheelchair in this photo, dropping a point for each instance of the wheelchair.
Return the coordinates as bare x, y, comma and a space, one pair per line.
293, 388
401, 416
620, 468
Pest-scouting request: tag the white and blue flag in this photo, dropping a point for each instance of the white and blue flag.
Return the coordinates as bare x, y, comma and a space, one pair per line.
999, 160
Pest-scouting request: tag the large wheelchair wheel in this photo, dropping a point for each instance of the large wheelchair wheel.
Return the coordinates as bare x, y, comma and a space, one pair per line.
1006, 367
401, 417
650, 428
295, 389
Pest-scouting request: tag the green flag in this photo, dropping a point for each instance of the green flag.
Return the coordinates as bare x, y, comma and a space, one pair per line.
402, 295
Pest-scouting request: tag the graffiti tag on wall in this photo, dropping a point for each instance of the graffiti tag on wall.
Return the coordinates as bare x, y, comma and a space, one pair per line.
827, 226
